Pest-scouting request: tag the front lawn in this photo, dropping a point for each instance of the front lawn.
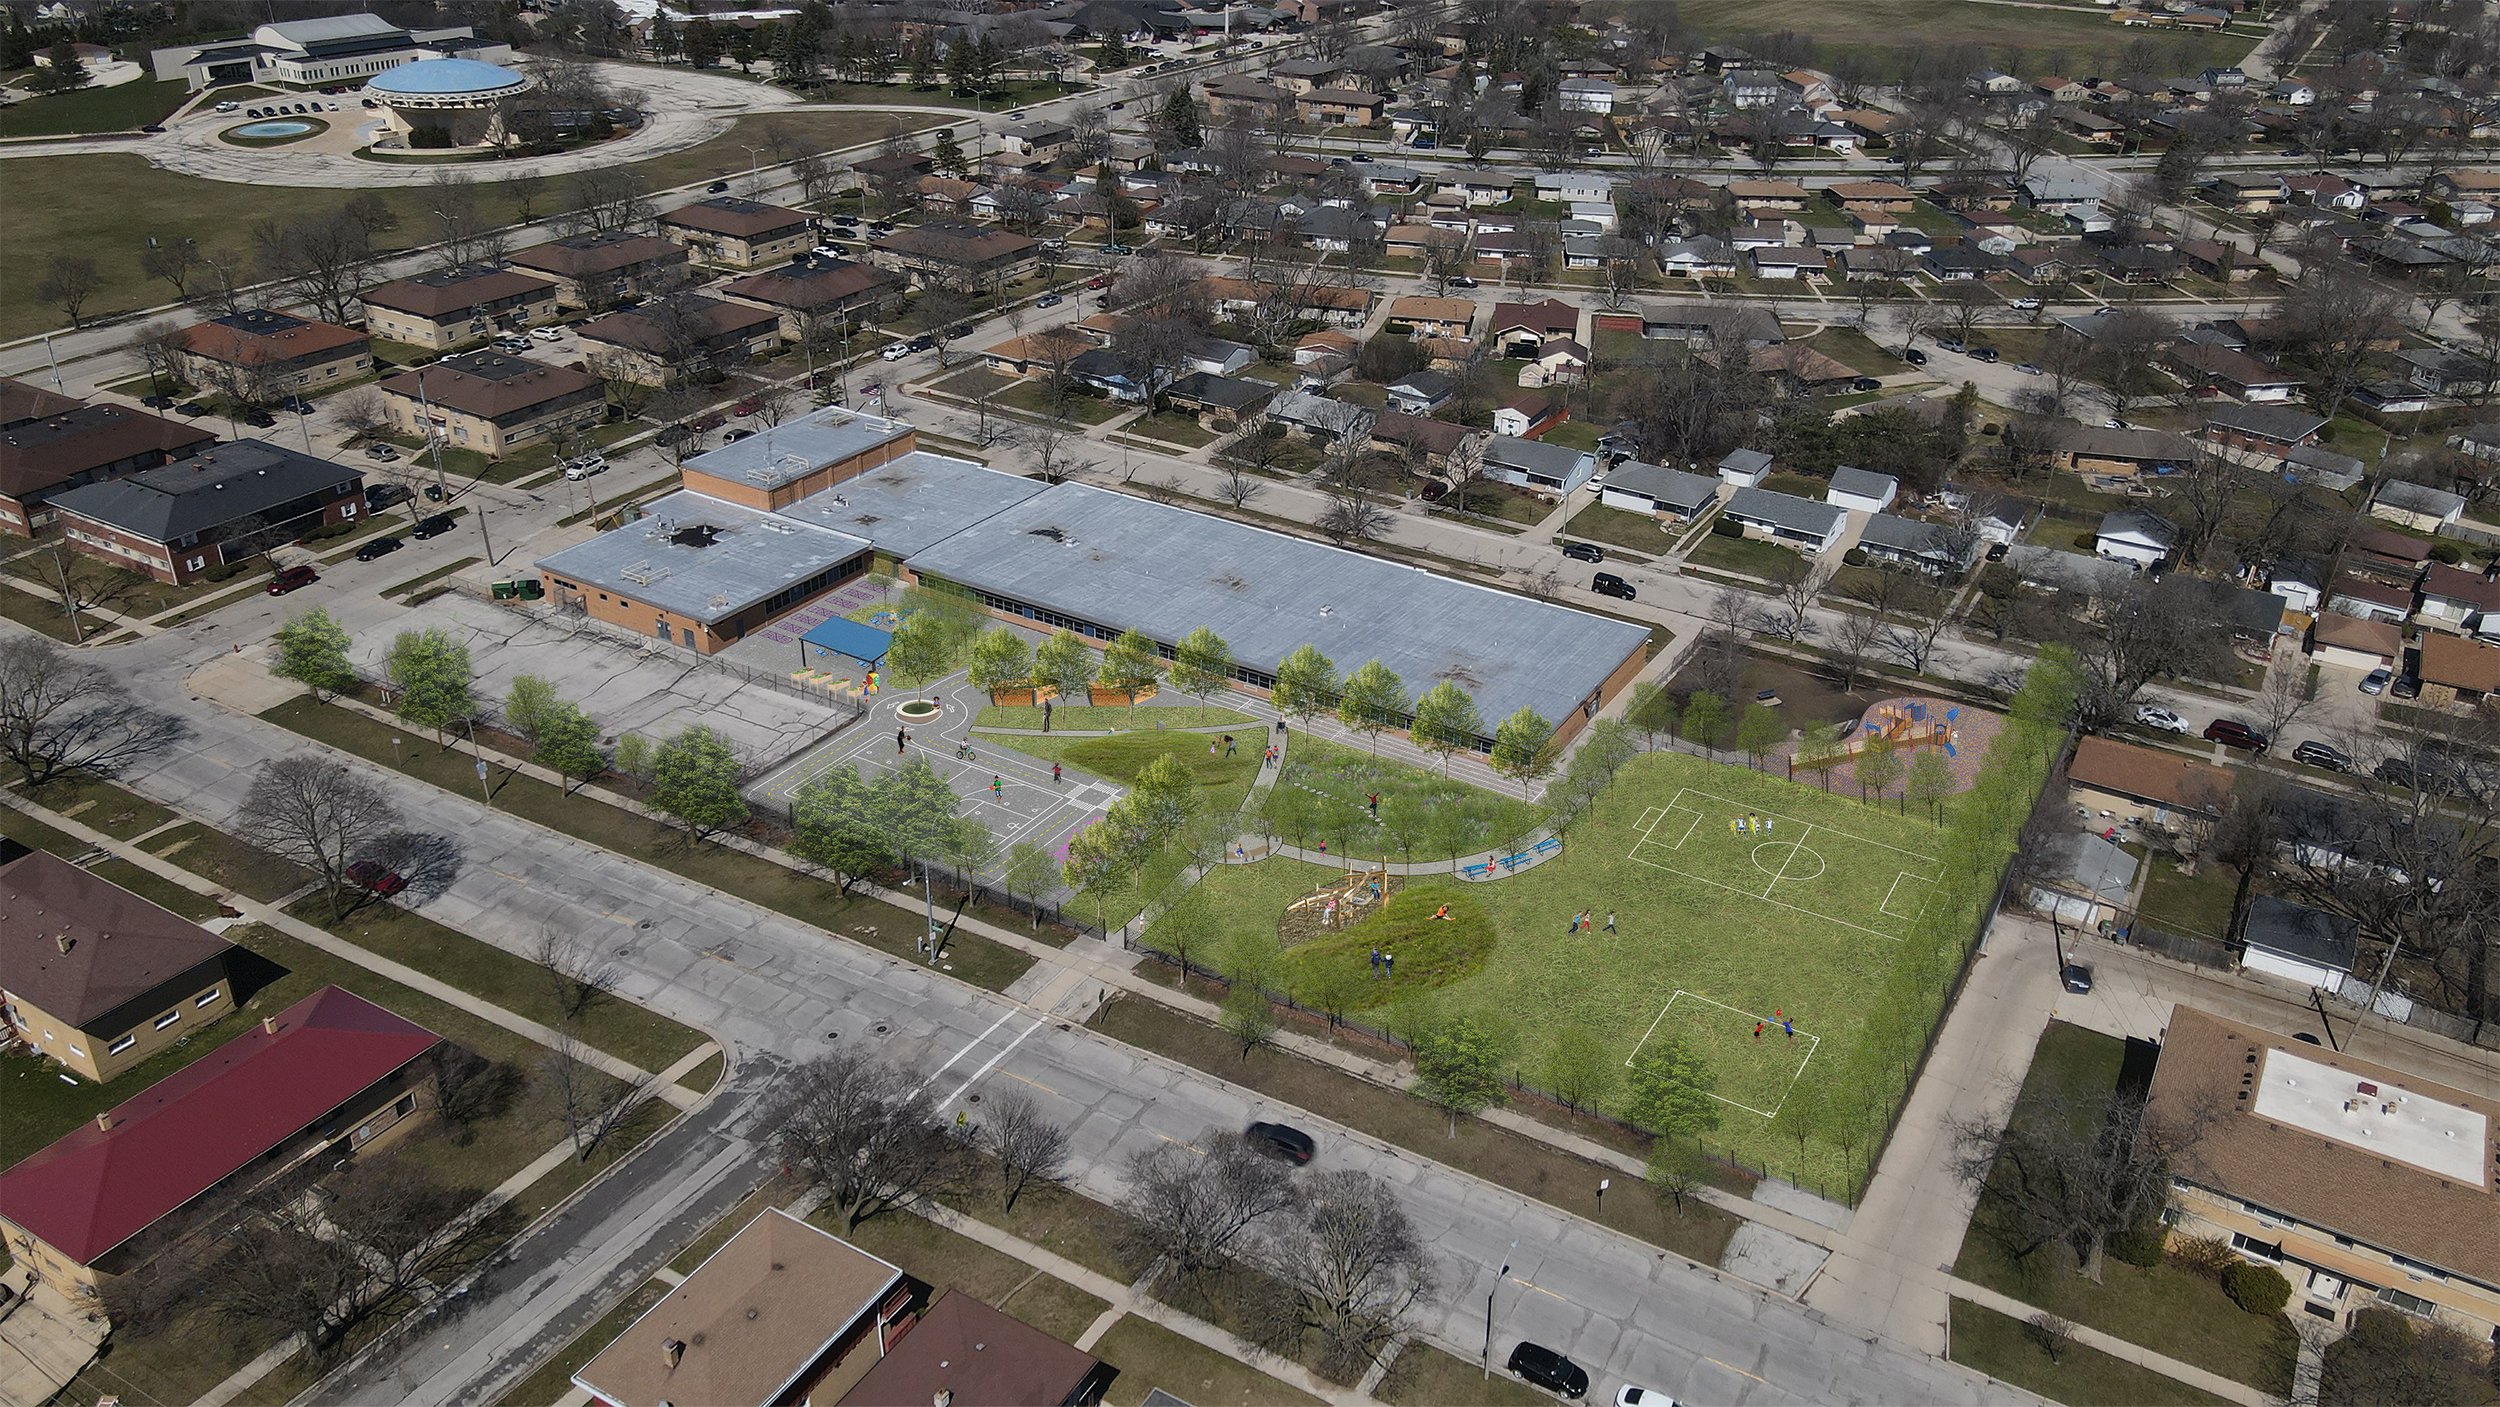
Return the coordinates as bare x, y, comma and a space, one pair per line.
1150, 1356
1172, 427
1618, 527
2198, 904
125, 107
2004, 1347
1746, 556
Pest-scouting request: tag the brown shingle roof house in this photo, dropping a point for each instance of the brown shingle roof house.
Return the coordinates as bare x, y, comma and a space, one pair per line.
2466, 670
966, 1354
82, 956
780, 1313
2149, 775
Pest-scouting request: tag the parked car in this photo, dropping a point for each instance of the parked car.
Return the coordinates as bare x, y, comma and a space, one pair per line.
384, 495
748, 406
434, 526
292, 579
548, 334
895, 351
582, 468
2407, 686
2313, 753
2075, 977
1281, 1140
433, 493
376, 876
1608, 584
157, 402
716, 188
1950, 344
1985, 354
378, 548
1048, 300
2155, 716
713, 421
736, 435
1362, 158
2376, 681
2027, 305
1461, 281
1914, 356
152, 129
1549, 1370
2230, 732
1584, 552
1866, 383
258, 419
1099, 281
2029, 368
1630, 1396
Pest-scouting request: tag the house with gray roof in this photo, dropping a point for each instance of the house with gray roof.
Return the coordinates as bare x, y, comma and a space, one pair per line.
1861, 490
1784, 518
1651, 488
2135, 535
2417, 506
1744, 468
221, 507
2081, 879
1318, 416
2070, 573
2300, 944
1928, 547
1534, 464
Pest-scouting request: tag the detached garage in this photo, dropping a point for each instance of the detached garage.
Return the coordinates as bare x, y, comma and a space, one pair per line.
2301, 944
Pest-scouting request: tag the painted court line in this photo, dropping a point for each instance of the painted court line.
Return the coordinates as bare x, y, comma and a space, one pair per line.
1795, 848
1734, 809
1890, 894
1764, 898
1813, 1043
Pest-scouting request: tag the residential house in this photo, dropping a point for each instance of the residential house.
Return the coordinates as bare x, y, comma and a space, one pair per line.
2090, 125
1037, 353
1787, 262
61, 449
2060, 89
1873, 197
2457, 671
685, 335
2220, 262
963, 1353
2368, 598
2100, 452
944, 254
2260, 434
2454, 598
1861, 490
2060, 572
2445, 373
1791, 521
95, 978
594, 271
1533, 464
2326, 192
2059, 195
224, 506
260, 355
1576, 187
1521, 329
1233, 96
1419, 316
1932, 548
1651, 488
1744, 468
1422, 393
1299, 76
2351, 642
2316, 464
2393, 555
1221, 403
1527, 416
1037, 139
2081, 880
1432, 440
1703, 256
1595, 95
1339, 107
1745, 89
1765, 197
327, 1078
2210, 369
493, 403
2365, 1185
438, 311
2247, 194
1326, 349
2136, 535
2146, 786
1319, 417
2416, 506
819, 294
730, 232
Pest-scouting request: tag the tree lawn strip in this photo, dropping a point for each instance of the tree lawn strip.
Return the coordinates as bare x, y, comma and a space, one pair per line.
702, 1077
2004, 1347
1150, 1356
1424, 1376
1113, 718
2166, 1307
220, 858
100, 805
946, 1261
1497, 1155
412, 583
759, 881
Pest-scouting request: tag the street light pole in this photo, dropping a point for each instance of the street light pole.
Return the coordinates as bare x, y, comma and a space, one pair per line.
1486, 1361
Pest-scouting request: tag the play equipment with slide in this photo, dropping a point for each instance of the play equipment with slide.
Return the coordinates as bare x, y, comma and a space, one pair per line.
1337, 897
1906, 724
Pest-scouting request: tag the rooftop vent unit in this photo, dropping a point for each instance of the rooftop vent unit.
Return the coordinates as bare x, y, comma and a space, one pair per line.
643, 573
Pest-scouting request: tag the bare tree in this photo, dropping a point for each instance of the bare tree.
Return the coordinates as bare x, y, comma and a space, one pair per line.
60, 714
1056, 453
1357, 1266
399, 1215
173, 261
323, 260
1853, 637
1796, 583
2074, 1173
2055, 1336
1029, 1148
869, 1137
1239, 486
592, 1104
579, 971
1351, 517
317, 812
68, 281
1189, 1215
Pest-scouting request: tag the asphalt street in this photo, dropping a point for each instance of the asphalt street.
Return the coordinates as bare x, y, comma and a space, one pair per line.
768, 986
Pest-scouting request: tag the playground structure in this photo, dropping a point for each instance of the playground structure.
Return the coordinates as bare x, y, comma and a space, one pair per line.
1906, 724
1337, 899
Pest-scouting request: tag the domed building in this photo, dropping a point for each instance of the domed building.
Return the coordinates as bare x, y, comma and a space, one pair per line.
438, 103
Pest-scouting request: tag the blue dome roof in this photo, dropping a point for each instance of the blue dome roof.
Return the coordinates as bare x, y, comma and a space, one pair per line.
445, 78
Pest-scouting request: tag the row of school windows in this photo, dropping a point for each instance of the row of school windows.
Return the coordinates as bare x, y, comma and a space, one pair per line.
131, 1038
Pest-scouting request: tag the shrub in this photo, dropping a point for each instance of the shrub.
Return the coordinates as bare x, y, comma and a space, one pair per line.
2140, 1244
1855, 557
1721, 526
2259, 1289
2446, 553
2209, 1256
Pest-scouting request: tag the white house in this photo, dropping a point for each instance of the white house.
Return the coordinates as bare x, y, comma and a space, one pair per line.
1699, 257
1422, 393
2299, 944
1651, 488
1861, 490
1217, 357
1533, 464
2137, 536
1586, 95
1600, 213
2417, 506
1784, 518
1745, 468
1575, 187
2082, 879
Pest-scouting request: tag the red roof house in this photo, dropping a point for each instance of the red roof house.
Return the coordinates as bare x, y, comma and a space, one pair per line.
302, 1080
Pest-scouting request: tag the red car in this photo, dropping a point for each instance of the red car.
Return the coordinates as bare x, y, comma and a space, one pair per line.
749, 406
292, 579
376, 876
1103, 281
711, 422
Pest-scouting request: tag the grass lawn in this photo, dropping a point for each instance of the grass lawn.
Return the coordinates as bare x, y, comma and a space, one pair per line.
2003, 1347
1171, 427
123, 108
1524, 1165
1574, 434
2164, 1308
42, 614
758, 881
1424, 1376
1433, 815
100, 805
2198, 904
1249, 897
1150, 1356
1894, 33
1750, 556
219, 857
929, 1252
1617, 527
1034, 395
1082, 718
631, 1033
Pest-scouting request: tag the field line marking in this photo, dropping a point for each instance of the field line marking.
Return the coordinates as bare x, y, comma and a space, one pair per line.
1795, 847
1780, 816
1763, 898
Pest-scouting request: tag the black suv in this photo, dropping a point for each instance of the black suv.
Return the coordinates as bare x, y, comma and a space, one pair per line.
1608, 584
435, 526
1584, 552
1282, 1140
1549, 1370
2318, 754
2230, 732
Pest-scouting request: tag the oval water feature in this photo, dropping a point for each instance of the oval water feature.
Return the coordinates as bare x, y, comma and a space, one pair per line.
266, 130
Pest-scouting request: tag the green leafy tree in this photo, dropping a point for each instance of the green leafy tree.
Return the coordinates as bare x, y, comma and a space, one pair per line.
1819, 751
1202, 663
633, 756
923, 648
1000, 660
1760, 730
568, 742
920, 812
1446, 721
312, 651
526, 704
1670, 1089
1930, 780
1879, 767
1579, 1069
1128, 665
1178, 124
1372, 700
948, 154
1032, 871
1705, 717
1519, 747
1065, 664
1653, 710
437, 686
1306, 683
694, 778
838, 826
1458, 1066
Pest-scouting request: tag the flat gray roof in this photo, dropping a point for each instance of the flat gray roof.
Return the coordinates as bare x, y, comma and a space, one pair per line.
670, 560
1126, 563
777, 454
908, 504
1660, 484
